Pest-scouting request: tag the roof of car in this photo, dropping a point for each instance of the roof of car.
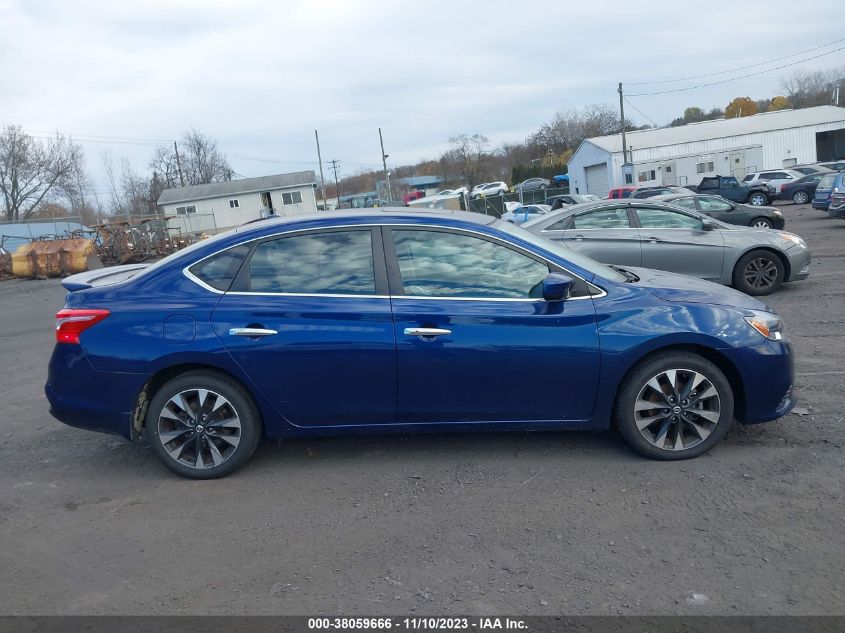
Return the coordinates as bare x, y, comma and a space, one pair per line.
376, 213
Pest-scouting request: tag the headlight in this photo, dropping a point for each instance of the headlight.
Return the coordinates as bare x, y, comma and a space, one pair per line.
794, 239
777, 214
769, 325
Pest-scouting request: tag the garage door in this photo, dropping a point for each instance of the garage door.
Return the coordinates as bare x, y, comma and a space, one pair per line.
597, 180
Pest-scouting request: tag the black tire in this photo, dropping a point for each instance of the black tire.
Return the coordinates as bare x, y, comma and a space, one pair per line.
635, 383
761, 223
239, 403
758, 199
748, 276
800, 197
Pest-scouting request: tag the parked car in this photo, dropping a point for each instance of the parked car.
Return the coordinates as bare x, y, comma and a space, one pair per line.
526, 212
620, 192
811, 169
412, 195
667, 237
727, 211
836, 209
821, 200
758, 194
836, 165
489, 189
557, 202
650, 192
802, 190
452, 192
532, 184
561, 180
266, 332
776, 178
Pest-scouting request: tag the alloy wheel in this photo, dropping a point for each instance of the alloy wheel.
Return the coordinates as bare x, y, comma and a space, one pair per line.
199, 428
677, 409
800, 197
758, 200
761, 273
762, 223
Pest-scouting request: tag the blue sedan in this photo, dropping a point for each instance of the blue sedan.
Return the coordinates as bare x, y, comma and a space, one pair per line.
392, 321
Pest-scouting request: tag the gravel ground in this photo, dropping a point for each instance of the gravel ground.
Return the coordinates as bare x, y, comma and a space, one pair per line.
555, 523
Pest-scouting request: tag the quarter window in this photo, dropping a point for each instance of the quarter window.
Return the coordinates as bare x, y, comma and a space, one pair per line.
665, 219
440, 264
219, 270
339, 262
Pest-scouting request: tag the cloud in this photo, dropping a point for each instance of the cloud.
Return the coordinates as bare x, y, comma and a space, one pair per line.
261, 76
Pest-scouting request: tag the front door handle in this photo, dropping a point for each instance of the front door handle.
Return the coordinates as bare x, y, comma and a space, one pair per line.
654, 240
426, 332
579, 238
251, 331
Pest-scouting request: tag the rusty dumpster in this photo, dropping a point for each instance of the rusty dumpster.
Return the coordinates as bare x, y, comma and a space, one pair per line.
54, 258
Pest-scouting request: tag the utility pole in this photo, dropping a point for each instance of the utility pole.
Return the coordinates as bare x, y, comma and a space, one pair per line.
622, 116
178, 164
384, 164
335, 164
322, 179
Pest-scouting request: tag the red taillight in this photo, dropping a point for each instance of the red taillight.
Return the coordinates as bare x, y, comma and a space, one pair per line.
70, 323
783, 186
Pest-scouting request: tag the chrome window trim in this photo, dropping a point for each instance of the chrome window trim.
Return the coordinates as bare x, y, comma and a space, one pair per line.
185, 271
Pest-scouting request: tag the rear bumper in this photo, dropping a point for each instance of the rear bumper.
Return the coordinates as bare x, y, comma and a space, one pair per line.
768, 374
836, 211
821, 204
82, 397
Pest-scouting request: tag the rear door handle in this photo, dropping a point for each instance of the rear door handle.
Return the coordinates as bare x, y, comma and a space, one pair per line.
654, 240
251, 331
426, 332
579, 238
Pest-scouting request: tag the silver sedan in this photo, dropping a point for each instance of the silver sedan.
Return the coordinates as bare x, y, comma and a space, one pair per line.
656, 235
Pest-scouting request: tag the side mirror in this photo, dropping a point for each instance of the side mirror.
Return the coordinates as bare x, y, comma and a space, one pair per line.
707, 225
556, 286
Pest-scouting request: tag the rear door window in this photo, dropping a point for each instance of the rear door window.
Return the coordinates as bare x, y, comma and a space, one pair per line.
603, 219
336, 262
666, 219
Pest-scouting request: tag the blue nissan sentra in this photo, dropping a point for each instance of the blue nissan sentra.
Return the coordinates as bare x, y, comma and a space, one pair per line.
395, 321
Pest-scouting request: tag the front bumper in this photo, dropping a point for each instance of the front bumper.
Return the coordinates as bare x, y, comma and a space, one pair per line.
768, 374
799, 263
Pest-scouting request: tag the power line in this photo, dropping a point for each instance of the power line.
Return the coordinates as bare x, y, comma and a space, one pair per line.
732, 70
641, 112
724, 81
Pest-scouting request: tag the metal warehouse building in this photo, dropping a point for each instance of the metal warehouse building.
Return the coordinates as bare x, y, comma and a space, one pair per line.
683, 155
233, 203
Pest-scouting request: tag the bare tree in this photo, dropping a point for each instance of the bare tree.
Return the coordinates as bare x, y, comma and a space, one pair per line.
203, 162
468, 157
33, 172
807, 89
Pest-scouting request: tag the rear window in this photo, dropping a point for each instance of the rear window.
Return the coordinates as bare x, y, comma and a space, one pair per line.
827, 181
219, 270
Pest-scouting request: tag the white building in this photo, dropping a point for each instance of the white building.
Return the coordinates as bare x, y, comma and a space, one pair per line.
223, 205
683, 155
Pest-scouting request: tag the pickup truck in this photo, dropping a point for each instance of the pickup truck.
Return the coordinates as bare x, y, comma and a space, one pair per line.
759, 194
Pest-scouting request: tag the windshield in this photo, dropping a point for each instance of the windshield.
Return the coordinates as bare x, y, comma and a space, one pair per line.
563, 251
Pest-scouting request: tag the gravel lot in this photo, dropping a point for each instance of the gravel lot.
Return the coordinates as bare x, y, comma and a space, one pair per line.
570, 523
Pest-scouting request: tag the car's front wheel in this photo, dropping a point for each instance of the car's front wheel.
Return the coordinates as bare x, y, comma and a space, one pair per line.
674, 405
758, 199
758, 273
800, 197
202, 425
761, 223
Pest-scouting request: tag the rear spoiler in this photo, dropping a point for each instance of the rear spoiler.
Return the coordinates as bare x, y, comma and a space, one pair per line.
102, 276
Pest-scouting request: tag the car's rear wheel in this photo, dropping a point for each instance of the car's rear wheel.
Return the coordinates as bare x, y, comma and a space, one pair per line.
800, 197
758, 273
761, 223
674, 405
758, 199
202, 425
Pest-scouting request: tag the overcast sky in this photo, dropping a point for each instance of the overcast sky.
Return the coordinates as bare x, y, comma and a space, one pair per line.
261, 76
